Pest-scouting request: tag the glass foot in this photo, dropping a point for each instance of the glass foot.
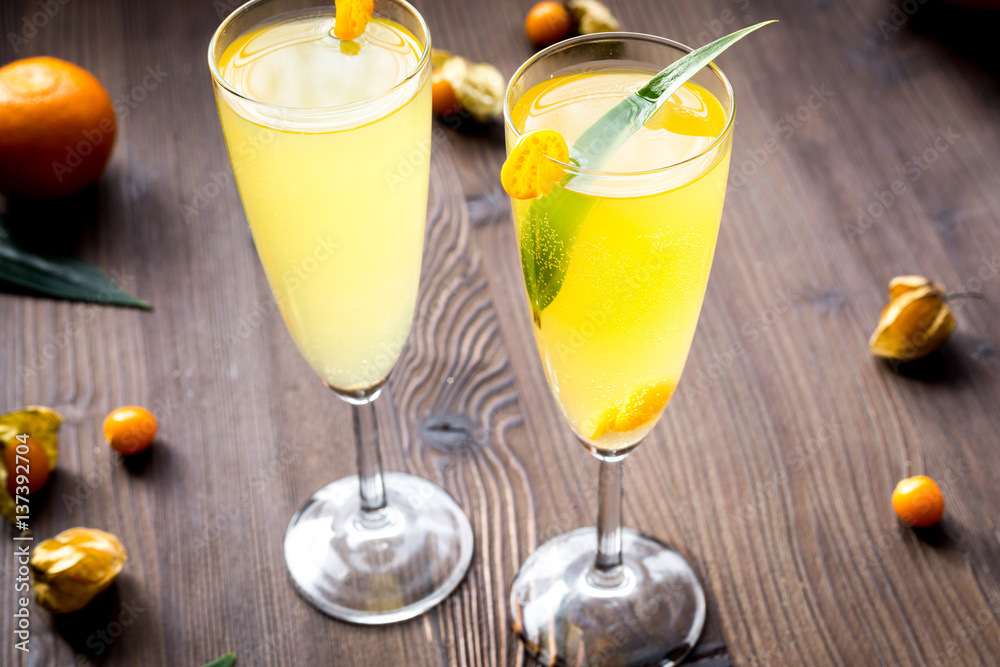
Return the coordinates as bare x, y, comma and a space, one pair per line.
383, 569
653, 615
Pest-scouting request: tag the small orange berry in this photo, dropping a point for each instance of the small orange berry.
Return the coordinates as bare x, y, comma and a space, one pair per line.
533, 166
34, 472
443, 100
130, 429
918, 501
351, 18
547, 23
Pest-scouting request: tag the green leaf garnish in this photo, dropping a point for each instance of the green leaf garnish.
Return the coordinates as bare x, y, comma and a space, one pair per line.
550, 228
228, 660
60, 276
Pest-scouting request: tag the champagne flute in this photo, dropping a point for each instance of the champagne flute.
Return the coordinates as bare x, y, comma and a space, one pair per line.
318, 131
615, 266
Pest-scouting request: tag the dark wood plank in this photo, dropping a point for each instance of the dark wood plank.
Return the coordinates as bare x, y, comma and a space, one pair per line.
771, 470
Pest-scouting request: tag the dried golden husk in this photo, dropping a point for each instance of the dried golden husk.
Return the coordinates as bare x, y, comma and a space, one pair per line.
70, 569
439, 57
915, 322
42, 424
592, 16
479, 87
902, 284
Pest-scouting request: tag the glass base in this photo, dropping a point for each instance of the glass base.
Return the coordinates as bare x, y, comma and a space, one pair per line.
381, 569
653, 615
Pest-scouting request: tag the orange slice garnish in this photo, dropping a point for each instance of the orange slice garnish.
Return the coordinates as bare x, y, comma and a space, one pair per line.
352, 17
526, 173
701, 116
644, 405
597, 426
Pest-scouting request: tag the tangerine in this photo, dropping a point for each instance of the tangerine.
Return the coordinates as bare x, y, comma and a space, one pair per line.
57, 128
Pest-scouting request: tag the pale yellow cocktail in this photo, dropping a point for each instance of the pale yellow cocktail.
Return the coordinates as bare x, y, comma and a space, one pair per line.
336, 201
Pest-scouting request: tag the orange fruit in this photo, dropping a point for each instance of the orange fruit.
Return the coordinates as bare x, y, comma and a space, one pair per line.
527, 173
547, 23
130, 429
37, 465
918, 501
642, 406
603, 423
352, 17
443, 99
57, 127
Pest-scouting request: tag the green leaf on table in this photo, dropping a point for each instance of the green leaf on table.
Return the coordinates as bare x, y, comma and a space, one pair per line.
228, 660
60, 276
552, 221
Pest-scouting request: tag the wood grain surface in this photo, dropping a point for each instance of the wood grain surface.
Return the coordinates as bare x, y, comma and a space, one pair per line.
867, 146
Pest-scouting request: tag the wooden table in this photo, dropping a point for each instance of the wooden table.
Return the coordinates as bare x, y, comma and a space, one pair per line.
866, 147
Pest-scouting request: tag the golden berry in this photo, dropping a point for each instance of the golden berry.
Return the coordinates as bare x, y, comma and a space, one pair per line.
918, 501
130, 429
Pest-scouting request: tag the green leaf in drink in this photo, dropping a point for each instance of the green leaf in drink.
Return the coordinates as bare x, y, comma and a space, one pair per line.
228, 660
553, 220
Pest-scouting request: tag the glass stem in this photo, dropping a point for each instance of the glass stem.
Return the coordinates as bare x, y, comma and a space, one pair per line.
369, 464
608, 569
